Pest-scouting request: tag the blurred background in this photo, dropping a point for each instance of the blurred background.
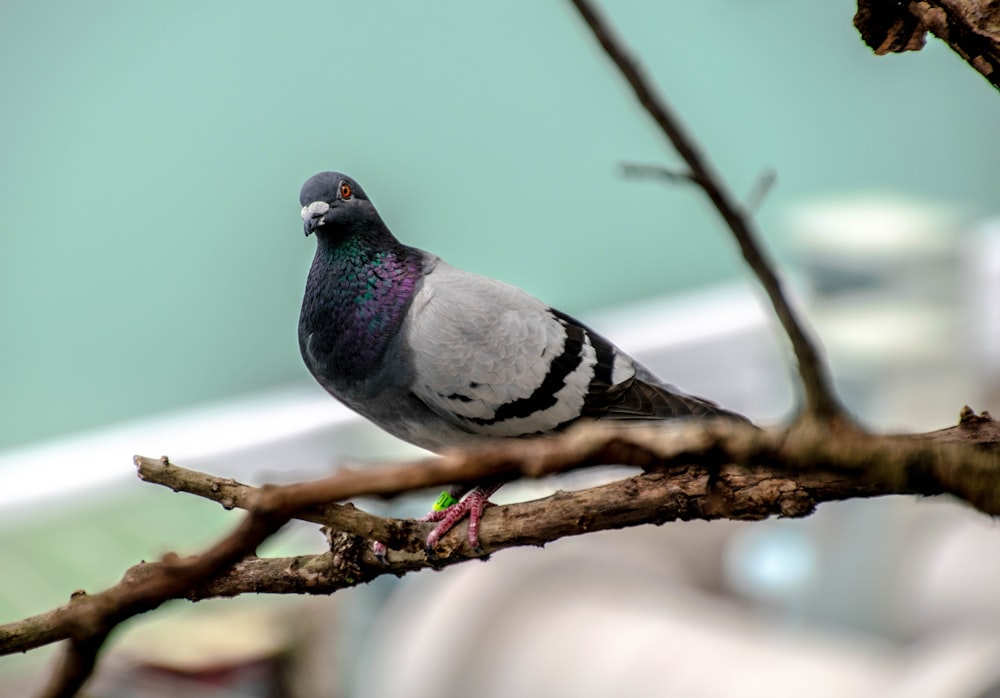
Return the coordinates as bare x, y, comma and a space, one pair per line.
152, 265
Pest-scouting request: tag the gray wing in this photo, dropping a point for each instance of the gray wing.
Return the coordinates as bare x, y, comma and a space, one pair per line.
494, 361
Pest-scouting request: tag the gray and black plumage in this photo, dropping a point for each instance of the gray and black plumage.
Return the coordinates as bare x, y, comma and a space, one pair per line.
444, 358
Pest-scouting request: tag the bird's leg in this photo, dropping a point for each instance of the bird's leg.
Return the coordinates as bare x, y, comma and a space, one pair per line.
448, 510
445, 501
479, 499
472, 504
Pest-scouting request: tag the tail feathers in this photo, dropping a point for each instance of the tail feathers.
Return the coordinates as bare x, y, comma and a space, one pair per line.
637, 399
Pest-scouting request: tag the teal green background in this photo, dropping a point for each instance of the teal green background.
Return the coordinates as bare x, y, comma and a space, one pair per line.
151, 253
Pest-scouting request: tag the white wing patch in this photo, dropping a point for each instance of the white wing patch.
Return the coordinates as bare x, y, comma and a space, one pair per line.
622, 369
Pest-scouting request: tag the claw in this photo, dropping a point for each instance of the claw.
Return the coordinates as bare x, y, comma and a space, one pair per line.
473, 504
433, 560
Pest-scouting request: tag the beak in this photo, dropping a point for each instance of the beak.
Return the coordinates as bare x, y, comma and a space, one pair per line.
312, 216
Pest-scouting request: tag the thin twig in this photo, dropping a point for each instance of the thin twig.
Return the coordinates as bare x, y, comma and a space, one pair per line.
820, 399
75, 666
761, 188
641, 170
231, 494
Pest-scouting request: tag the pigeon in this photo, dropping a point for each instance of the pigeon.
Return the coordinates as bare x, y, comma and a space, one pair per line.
444, 358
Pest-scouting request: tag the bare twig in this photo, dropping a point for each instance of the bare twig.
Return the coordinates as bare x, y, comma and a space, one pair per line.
646, 171
761, 188
76, 665
820, 399
232, 494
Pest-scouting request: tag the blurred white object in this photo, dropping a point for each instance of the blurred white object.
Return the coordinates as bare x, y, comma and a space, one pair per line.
982, 291
240, 438
881, 244
883, 274
620, 614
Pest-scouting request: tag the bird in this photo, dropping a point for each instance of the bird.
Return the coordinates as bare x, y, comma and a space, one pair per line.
445, 358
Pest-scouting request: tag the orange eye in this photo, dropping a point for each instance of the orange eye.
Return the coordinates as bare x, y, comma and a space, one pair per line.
345, 190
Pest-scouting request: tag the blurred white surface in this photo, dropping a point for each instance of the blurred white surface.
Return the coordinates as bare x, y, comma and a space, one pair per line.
614, 615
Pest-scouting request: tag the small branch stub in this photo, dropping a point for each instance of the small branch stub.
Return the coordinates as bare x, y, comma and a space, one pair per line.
970, 27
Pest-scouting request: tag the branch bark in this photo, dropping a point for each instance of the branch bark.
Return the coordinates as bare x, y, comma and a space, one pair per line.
970, 27
716, 471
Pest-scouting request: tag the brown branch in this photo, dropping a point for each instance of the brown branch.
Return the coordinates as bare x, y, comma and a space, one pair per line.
232, 494
686, 493
76, 665
979, 429
820, 399
737, 473
87, 620
961, 460
970, 27
732, 492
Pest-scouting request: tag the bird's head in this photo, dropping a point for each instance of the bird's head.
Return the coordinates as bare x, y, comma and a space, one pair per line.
333, 202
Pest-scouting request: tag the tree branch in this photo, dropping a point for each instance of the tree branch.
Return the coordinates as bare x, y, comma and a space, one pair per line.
76, 665
970, 27
962, 461
820, 399
694, 471
87, 620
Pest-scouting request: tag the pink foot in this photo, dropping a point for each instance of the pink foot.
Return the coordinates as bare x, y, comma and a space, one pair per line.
473, 504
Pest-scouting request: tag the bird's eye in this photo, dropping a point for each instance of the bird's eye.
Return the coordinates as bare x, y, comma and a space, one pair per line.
345, 190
